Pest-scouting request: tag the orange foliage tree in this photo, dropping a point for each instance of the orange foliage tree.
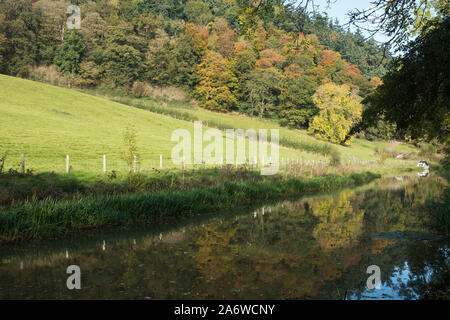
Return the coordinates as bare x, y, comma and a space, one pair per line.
216, 83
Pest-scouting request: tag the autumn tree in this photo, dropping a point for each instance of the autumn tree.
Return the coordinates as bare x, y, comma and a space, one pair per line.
222, 38
339, 110
216, 83
93, 30
186, 55
89, 74
269, 58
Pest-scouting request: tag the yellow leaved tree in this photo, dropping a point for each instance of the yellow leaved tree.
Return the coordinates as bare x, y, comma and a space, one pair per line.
339, 109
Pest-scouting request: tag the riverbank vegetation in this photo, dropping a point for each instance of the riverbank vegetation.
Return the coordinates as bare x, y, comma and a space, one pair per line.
50, 218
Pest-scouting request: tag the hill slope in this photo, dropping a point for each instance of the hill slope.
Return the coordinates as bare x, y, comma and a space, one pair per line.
360, 149
46, 122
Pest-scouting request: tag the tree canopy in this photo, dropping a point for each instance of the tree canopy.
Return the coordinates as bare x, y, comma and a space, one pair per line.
268, 58
416, 91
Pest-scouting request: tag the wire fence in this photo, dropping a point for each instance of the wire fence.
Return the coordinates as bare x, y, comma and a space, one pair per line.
158, 162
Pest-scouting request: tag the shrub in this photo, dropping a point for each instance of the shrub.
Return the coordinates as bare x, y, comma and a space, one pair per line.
383, 156
335, 157
138, 89
427, 149
142, 89
49, 74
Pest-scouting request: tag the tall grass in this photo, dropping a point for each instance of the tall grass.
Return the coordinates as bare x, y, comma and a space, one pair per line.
142, 89
49, 74
17, 189
153, 107
51, 218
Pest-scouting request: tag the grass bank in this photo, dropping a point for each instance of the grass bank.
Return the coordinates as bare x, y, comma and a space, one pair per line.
292, 138
17, 188
56, 218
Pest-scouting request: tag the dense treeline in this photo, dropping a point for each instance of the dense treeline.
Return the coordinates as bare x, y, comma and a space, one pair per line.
306, 71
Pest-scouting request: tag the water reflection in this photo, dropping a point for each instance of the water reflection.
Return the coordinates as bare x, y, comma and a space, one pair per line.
315, 248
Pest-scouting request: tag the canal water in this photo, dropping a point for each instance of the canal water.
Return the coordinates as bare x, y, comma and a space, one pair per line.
316, 247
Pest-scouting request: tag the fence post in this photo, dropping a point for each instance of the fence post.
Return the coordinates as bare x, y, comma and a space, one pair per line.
23, 163
104, 163
134, 164
160, 161
67, 164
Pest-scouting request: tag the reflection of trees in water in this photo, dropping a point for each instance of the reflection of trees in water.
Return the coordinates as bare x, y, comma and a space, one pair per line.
410, 269
429, 265
340, 222
303, 249
287, 253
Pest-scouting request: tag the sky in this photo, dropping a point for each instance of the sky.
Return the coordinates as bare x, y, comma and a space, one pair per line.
340, 8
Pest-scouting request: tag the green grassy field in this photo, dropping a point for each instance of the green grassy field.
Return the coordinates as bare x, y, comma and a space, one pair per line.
360, 149
46, 123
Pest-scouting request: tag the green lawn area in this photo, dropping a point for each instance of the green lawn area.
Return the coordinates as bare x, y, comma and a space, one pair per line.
46, 122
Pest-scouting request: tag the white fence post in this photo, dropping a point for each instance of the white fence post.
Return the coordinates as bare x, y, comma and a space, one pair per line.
134, 164
104, 163
160, 161
67, 164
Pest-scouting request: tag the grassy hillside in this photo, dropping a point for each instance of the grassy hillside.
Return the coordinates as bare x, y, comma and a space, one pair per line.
360, 149
46, 122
